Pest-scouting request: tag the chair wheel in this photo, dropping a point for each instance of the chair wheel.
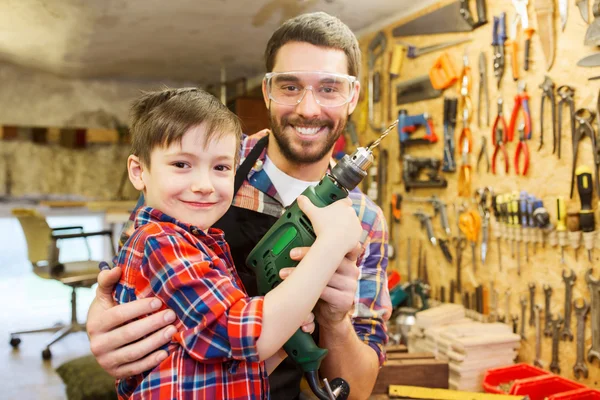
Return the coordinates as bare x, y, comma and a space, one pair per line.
15, 342
46, 355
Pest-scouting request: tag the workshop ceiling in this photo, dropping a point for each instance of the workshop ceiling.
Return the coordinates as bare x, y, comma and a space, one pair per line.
184, 40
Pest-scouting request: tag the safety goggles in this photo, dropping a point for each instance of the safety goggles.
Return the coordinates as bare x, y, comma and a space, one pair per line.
328, 89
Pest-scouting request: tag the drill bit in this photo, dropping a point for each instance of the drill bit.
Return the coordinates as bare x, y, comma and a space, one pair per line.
383, 135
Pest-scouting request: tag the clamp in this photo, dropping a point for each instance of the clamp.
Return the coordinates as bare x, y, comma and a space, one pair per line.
499, 138
566, 98
521, 102
547, 95
522, 148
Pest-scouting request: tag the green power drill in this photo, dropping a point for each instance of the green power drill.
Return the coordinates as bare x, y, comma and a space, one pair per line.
294, 229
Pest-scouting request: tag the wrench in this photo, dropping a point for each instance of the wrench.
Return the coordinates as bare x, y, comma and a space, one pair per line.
566, 332
594, 287
556, 323
532, 304
581, 309
547, 314
515, 319
538, 337
523, 311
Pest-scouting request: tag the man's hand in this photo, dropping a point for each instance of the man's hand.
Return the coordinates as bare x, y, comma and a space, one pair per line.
337, 298
112, 344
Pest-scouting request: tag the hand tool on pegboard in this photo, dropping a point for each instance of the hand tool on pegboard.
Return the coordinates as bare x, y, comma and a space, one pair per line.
484, 203
563, 10
574, 232
413, 52
425, 220
439, 207
533, 230
547, 97
521, 104
566, 99
470, 225
465, 140
584, 118
522, 149
498, 39
497, 226
561, 226
581, 308
396, 62
484, 95
569, 280
375, 51
583, 10
585, 188
594, 288
544, 11
513, 36
516, 227
524, 219
499, 138
590, 61
454, 17
483, 155
441, 76
592, 35
450, 108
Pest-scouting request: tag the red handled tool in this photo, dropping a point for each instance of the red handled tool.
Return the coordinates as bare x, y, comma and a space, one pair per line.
521, 102
522, 148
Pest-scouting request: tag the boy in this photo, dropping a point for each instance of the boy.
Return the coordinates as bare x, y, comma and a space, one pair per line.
185, 149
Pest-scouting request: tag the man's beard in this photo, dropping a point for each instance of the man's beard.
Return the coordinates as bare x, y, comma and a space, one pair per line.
304, 157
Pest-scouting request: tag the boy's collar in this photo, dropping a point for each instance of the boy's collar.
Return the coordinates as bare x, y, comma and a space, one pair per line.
148, 214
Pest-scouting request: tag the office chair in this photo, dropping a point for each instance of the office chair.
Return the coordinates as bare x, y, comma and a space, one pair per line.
43, 253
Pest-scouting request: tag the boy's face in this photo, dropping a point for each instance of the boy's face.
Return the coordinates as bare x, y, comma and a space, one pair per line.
307, 131
191, 181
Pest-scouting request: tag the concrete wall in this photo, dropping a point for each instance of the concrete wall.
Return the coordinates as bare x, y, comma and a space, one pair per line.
33, 98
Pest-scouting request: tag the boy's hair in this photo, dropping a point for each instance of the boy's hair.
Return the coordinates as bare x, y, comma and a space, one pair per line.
161, 118
319, 29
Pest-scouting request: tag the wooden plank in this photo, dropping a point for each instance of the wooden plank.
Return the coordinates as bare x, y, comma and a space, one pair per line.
396, 348
424, 373
410, 356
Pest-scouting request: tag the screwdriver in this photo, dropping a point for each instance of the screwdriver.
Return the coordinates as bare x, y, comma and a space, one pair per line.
561, 226
497, 232
514, 204
586, 214
574, 231
533, 232
524, 222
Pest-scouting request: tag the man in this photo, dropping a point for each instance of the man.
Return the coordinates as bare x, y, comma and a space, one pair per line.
310, 90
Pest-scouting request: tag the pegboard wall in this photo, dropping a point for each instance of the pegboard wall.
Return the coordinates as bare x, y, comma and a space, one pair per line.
547, 178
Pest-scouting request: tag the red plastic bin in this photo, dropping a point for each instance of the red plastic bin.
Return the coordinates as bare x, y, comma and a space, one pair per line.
543, 386
496, 376
579, 394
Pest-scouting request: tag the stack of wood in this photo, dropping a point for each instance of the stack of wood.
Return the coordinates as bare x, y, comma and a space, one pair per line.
470, 347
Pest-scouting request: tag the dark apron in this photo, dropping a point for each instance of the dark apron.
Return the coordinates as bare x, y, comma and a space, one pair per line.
243, 229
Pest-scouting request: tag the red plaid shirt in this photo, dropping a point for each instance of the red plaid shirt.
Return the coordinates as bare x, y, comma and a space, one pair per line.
213, 355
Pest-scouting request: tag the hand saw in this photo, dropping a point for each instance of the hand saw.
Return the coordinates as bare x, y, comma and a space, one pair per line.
454, 17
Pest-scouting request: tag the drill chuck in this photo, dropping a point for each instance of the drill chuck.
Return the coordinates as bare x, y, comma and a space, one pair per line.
351, 170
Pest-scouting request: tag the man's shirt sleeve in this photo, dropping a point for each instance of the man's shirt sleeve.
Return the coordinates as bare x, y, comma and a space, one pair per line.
220, 322
373, 304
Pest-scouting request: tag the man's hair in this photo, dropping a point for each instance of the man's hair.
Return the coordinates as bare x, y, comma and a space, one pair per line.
319, 29
161, 118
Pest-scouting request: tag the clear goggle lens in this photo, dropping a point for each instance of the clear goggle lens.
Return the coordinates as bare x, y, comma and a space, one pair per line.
328, 90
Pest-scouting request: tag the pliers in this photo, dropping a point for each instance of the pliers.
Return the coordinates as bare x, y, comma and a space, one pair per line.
483, 154
521, 101
524, 149
547, 94
498, 39
499, 134
584, 129
566, 94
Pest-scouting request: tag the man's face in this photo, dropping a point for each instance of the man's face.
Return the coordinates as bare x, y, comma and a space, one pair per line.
306, 132
192, 181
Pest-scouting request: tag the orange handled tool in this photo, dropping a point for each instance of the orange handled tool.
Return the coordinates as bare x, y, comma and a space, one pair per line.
442, 74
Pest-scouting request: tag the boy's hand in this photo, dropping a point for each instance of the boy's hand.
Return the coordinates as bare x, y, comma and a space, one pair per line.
336, 222
337, 298
114, 340
308, 325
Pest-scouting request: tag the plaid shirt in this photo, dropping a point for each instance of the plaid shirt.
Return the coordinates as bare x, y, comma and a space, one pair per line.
372, 300
213, 355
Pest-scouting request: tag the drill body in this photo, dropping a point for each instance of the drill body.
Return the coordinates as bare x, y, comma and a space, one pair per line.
293, 229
